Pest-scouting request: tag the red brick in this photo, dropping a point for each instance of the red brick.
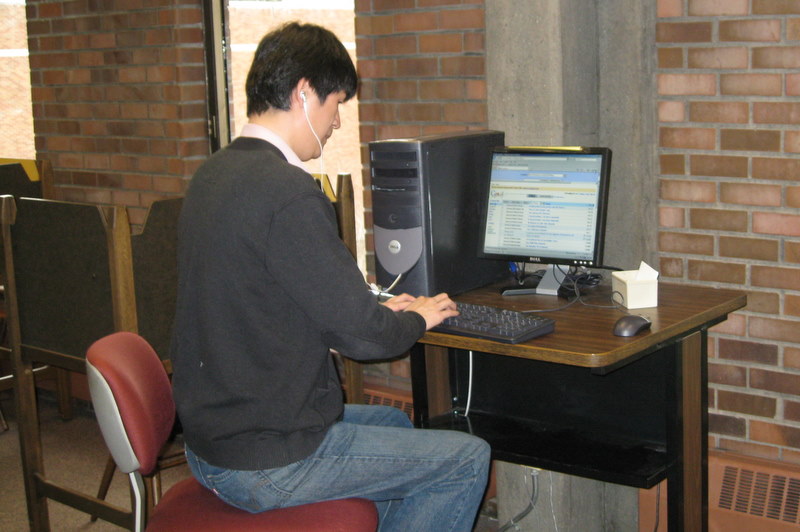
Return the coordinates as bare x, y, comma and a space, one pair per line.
793, 29
697, 191
793, 197
414, 22
750, 140
465, 112
728, 425
395, 45
748, 248
670, 267
792, 142
763, 302
463, 66
670, 57
419, 112
791, 252
687, 137
726, 112
727, 374
718, 165
712, 271
776, 112
774, 434
733, 57
441, 43
776, 57
687, 243
751, 84
675, 32
395, 90
774, 329
718, 220
417, 67
671, 164
704, 8
672, 217
776, 7
744, 351
758, 30
775, 168
774, 223
775, 277
671, 111
774, 381
685, 84
791, 358
461, 19
742, 403
792, 305
747, 194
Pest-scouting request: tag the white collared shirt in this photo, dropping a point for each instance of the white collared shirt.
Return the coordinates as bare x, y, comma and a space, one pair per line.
263, 133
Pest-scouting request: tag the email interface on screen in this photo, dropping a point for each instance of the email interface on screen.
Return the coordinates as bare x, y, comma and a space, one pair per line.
544, 205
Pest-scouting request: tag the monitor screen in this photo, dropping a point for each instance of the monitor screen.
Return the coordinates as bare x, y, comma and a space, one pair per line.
546, 205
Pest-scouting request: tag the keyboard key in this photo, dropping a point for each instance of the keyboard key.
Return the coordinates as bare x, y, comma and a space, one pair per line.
497, 324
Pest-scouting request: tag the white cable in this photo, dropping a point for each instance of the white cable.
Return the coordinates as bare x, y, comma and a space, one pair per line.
394, 283
552, 510
469, 386
308, 121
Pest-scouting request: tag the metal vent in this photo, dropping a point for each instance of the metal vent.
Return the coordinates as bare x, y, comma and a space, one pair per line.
752, 494
761, 494
389, 397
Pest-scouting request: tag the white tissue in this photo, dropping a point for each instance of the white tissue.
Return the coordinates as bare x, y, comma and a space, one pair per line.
646, 272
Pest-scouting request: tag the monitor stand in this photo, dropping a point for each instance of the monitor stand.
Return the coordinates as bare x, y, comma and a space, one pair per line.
548, 285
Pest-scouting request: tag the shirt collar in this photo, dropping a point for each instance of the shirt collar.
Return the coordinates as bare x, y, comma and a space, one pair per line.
260, 132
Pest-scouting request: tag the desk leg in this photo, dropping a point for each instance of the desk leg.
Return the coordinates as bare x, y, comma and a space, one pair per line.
430, 382
688, 481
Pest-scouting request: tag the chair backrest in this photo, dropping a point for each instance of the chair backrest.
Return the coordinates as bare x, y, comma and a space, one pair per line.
132, 398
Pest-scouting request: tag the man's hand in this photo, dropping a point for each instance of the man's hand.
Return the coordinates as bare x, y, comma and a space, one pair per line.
398, 303
434, 309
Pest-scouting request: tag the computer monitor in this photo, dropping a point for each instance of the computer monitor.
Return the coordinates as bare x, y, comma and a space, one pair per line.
546, 206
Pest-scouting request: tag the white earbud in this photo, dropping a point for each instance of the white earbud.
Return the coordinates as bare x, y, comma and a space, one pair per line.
303, 96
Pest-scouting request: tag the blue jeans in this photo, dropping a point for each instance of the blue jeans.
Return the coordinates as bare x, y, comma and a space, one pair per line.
420, 480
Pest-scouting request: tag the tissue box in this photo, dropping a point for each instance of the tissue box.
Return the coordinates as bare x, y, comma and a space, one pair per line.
634, 293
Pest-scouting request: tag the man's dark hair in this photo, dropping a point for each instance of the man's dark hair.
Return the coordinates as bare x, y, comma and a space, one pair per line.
291, 53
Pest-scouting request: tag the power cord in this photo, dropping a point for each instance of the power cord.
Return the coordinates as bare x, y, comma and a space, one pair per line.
534, 495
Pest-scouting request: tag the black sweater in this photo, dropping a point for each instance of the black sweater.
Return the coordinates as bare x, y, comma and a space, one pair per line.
266, 288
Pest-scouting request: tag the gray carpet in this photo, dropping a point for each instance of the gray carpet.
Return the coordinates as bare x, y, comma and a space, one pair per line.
75, 457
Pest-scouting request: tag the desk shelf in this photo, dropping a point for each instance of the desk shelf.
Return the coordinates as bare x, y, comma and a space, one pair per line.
563, 449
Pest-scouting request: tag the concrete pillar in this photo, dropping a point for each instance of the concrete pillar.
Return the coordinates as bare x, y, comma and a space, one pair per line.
580, 72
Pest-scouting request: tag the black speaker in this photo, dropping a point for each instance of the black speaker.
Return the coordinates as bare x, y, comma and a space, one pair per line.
426, 206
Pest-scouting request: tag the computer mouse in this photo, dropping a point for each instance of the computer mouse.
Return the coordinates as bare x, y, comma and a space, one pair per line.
631, 325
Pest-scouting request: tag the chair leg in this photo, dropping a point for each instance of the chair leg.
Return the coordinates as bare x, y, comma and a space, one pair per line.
64, 392
105, 482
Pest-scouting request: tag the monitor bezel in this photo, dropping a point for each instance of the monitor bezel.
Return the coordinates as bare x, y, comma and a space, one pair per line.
600, 228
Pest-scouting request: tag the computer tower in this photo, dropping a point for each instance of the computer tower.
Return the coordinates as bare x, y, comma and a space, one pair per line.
426, 207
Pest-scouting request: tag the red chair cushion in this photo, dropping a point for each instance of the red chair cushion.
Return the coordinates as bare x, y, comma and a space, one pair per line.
189, 507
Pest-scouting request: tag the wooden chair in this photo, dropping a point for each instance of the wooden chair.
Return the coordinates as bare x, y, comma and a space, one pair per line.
69, 280
132, 396
32, 179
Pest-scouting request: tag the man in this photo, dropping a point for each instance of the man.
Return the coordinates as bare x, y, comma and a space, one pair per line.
267, 289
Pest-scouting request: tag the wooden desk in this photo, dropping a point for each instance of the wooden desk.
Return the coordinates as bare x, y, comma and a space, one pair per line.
582, 401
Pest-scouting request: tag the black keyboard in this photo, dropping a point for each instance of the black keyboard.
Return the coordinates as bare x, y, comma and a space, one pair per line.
492, 323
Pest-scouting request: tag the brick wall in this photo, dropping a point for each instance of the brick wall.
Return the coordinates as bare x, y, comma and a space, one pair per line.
728, 111
118, 97
422, 69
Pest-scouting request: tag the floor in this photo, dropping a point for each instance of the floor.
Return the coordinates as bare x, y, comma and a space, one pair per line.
75, 456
